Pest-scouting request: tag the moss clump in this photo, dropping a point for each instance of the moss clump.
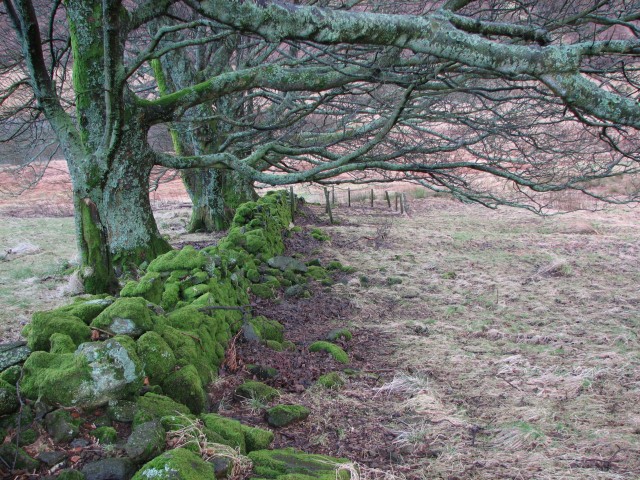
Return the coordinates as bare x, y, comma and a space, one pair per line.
152, 406
257, 390
170, 295
45, 324
264, 290
70, 474
156, 356
185, 387
295, 464
273, 345
338, 333
86, 309
12, 455
11, 375
317, 273
54, 378
334, 350
330, 380
283, 415
187, 258
262, 373
177, 464
8, 398
127, 316
105, 435
257, 438
149, 287
227, 428
261, 328
191, 293
62, 343
319, 235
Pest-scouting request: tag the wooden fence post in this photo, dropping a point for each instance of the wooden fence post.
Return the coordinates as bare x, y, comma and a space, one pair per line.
333, 195
372, 198
326, 197
386, 194
292, 202
349, 197
396, 201
401, 204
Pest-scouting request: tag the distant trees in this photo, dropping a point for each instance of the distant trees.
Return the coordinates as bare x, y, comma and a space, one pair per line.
542, 95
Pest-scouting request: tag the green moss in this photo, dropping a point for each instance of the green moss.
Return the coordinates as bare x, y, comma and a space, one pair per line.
330, 380
12, 455
317, 273
343, 333
253, 275
152, 406
187, 258
319, 235
229, 429
45, 324
62, 343
257, 390
262, 373
334, 350
105, 435
27, 437
8, 398
177, 464
127, 316
170, 295
70, 475
185, 387
156, 356
191, 293
86, 309
149, 287
261, 328
11, 375
257, 438
283, 415
264, 290
54, 378
285, 463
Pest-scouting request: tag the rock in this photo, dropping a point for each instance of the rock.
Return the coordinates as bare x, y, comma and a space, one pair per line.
237, 435
105, 435
61, 343
177, 464
53, 458
109, 469
11, 375
295, 464
294, 291
45, 324
334, 350
186, 387
26, 437
146, 441
10, 453
287, 263
95, 374
157, 357
61, 426
8, 398
222, 466
262, 373
261, 329
257, 390
155, 407
13, 354
23, 248
121, 410
126, 316
79, 443
330, 380
283, 415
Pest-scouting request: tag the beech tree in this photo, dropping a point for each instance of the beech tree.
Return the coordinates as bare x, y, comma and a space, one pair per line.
542, 95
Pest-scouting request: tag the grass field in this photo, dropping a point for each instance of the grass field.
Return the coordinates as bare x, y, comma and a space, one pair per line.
515, 336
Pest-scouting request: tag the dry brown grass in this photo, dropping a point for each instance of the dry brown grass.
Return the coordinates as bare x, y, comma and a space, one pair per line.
520, 333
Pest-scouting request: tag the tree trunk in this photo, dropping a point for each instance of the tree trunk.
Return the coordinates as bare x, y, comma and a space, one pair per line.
215, 195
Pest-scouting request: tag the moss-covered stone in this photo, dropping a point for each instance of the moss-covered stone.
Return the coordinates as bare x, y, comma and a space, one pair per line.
283, 415
265, 290
12, 455
191, 293
86, 309
121, 410
257, 438
229, 429
317, 273
261, 328
61, 426
149, 287
61, 343
45, 324
273, 345
318, 234
158, 360
146, 441
285, 463
11, 375
8, 398
257, 390
105, 435
153, 406
177, 464
261, 372
26, 437
330, 380
187, 258
339, 333
126, 316
334, 350
170, 295
185, 387
70, 474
